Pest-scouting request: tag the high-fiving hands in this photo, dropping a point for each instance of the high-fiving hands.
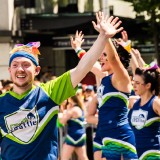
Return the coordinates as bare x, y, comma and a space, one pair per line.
108, 26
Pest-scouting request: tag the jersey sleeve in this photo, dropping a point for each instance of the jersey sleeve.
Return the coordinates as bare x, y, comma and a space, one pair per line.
60, 89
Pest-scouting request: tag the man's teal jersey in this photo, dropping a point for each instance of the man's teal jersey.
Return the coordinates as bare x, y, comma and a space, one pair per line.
28, 121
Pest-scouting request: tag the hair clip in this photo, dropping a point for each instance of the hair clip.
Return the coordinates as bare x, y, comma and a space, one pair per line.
18, 45
33, 44
155, 67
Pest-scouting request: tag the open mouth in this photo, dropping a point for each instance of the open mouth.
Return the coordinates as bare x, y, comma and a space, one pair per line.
21, 76
102, 64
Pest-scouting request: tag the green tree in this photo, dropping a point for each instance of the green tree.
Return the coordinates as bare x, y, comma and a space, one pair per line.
151, 8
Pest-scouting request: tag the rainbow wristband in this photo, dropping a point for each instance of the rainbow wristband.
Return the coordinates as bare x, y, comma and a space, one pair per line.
80, 53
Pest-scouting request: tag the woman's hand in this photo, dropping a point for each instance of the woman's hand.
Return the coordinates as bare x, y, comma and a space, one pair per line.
136, 52
108, 26
77, 41
124, 42
97, 25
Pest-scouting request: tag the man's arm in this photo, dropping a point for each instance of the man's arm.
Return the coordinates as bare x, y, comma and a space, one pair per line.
107, 30
76, 44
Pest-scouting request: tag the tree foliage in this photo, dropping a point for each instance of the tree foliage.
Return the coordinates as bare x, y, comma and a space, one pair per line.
151, 8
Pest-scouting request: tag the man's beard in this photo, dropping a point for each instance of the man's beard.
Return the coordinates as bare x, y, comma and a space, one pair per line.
25, 84
22, 85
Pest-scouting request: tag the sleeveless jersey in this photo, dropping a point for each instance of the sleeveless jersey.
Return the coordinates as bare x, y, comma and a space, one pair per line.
76, 132
97, 142
28, 121
117, 137
146, 126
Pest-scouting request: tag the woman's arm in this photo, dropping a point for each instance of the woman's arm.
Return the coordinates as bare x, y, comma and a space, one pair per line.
74, 112
65, 117
132, 100
156, 106
137, 54
76, 44
91, 116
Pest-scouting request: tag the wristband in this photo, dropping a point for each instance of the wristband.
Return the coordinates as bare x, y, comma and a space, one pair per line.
77, 49
81, 53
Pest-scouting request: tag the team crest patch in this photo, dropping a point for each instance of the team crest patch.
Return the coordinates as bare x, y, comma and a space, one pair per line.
22, 124
139, 118
100, 93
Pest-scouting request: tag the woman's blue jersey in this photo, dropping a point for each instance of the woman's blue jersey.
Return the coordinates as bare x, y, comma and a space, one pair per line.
117, 137
76, 132
146, 126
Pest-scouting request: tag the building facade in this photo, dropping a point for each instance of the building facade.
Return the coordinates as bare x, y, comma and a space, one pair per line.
52, 22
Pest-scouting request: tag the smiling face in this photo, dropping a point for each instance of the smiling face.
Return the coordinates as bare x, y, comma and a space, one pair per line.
105, 66
23, 72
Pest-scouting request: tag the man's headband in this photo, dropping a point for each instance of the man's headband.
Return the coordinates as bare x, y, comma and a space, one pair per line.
27, 51
23, 54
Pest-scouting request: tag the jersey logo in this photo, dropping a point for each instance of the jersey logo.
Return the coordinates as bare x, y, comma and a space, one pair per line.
100, 93
22, 124
139, 118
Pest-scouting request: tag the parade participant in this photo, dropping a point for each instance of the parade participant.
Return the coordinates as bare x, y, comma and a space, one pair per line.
136, 59
92, 118
75, 136
113, 95
144, 114
144, 105
28, 113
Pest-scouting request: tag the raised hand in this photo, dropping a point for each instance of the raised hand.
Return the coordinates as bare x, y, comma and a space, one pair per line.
108, 26
124, 42
124, 36
77, 41
97, 25
136, 52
